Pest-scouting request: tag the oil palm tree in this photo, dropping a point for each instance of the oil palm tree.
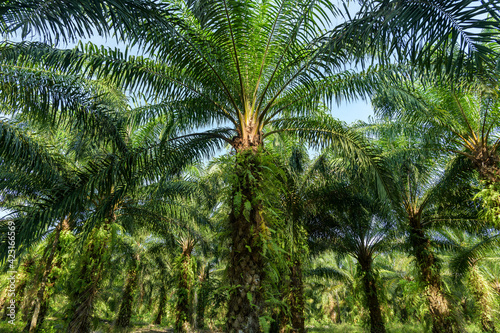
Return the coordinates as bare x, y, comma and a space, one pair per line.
294, 204
327, 267
463, 120
426, 200
361, 226
468, 251
70, 179
460, 118
180, 225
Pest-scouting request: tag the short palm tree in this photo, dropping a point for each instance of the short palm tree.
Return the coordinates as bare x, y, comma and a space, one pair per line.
425, 200
358, 224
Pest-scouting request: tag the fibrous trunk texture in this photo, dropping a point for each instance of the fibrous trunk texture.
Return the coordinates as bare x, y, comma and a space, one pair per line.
370, 289
184, 286
161, 306
41, 302
125, 313
482, 294
486, 162
90, 274
439, 306
246, 263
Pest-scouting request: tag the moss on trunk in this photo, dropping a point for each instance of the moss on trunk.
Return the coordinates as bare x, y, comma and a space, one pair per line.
88, 279
125, 313
439, 305
482, 294
246, 263
183, 306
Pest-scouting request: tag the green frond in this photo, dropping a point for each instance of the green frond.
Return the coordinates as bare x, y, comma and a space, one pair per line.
464, 260
67, 21
427, 34
23, 151
329, 273
326, 132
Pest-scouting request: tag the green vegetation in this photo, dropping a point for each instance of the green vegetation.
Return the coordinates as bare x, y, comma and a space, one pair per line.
195, 180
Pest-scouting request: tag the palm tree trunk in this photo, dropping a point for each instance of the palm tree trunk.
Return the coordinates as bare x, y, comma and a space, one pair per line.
439, 306
125, 313
27, 295
90, 272
184, 299
41, 302
480, 291
297, 298
486, 162
292, 292
161, 306
202, 297
370, 289
246, 262
339, 319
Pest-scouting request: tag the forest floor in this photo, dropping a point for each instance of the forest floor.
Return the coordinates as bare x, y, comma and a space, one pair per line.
334, 328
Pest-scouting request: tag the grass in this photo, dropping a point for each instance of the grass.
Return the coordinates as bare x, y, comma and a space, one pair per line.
334, 328
347, 328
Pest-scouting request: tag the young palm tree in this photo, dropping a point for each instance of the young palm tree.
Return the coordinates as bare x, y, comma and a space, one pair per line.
328, 267
359, 225
132, 249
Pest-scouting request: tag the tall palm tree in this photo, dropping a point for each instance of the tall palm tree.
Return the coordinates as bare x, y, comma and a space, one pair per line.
294, 204
85, 207
245, 96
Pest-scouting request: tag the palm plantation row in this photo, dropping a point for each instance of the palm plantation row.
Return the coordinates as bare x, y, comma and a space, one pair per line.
101, 152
